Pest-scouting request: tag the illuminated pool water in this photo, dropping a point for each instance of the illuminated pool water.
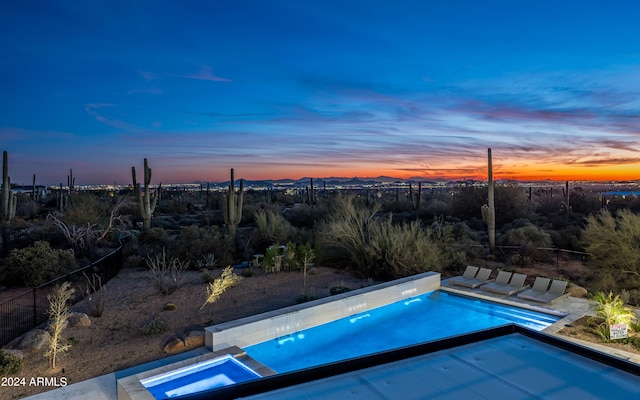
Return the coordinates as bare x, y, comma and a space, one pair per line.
431, 316
221, 371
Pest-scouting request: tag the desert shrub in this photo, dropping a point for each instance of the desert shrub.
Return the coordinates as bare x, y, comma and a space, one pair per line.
166, 274
83, 209
207, 277
348, 230
378, 247
169, 307
614, 244
611, 310
156, 326
37, 264
194, 243
528, 237
303, 298
404, 249
95, 294
10, 364
220, 285
338, 287
273, 227
153, 240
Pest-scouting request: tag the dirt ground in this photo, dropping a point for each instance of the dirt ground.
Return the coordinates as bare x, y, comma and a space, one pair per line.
585, 330
114, 341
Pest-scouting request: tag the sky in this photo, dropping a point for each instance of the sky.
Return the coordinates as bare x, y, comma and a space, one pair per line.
319, 88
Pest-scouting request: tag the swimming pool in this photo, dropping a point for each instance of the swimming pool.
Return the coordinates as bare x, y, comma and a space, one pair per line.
431, 316
221, 371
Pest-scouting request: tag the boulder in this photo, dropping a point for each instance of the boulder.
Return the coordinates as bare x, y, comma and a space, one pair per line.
35, 339
577, 291
173, 345
194, 339
80, 320
50, 326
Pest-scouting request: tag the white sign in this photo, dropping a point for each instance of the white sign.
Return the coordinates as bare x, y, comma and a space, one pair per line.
618, 331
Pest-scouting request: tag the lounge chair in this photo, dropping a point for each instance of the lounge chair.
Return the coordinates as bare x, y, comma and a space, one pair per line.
556, 291
469, 273
538, 289
481, 278
516, 285
501, 281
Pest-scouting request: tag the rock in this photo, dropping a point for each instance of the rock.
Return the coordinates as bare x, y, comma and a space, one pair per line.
80, 320
194, 339
577, 291
173, 345
50, 326
35, 339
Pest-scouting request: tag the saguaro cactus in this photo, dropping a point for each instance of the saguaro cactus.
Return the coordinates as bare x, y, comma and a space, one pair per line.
146, 201
9, 202
71, 181
232, 206
565, 206
489, 211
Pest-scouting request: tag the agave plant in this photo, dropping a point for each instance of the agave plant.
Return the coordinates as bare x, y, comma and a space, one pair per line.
208, 261
611, 310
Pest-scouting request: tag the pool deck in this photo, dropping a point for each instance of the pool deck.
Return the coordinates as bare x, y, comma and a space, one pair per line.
105, 387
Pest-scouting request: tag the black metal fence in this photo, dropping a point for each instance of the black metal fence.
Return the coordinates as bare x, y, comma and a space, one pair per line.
28, 310
563, 259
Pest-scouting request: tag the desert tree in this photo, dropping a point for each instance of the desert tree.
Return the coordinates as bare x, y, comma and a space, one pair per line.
58, 316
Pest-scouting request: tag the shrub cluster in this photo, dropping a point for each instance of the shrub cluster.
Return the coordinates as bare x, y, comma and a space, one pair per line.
156, 326
378, 247
37, 264
10, 364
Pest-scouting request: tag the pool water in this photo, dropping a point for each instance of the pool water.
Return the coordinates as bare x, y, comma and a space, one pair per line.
431, 316
209, 374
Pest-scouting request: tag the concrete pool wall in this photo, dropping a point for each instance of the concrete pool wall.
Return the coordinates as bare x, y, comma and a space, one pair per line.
266, 326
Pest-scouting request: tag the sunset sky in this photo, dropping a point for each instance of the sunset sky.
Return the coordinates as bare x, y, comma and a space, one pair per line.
320, 88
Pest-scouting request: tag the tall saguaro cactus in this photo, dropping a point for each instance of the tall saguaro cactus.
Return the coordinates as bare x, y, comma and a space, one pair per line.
565, 206
489, 211
9, 202
232, 206
146, 201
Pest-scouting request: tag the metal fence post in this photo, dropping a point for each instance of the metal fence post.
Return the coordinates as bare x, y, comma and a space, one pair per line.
35, 306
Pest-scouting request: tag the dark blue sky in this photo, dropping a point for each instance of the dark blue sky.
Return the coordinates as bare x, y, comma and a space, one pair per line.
281, 89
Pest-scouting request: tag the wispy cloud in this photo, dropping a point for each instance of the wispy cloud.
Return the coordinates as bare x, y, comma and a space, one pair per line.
205, 73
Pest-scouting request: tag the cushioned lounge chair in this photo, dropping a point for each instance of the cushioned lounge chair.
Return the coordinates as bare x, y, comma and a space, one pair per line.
538, 289
516, 285
469, 273
556, 291
501, 281
481, 278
